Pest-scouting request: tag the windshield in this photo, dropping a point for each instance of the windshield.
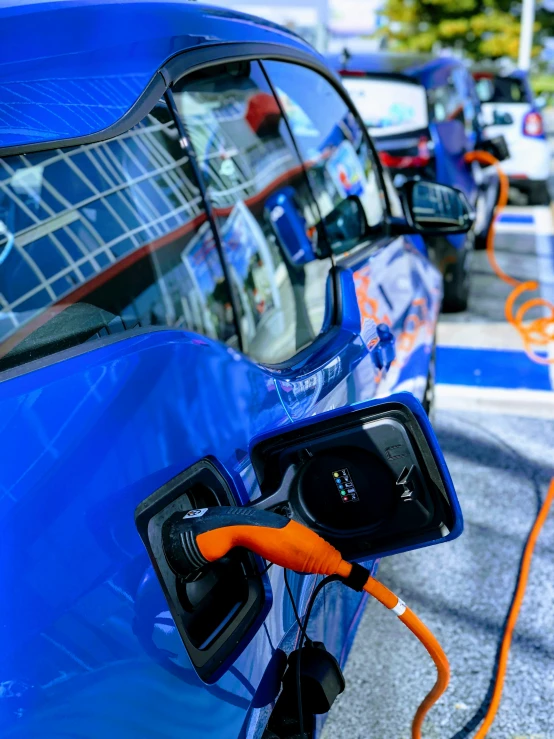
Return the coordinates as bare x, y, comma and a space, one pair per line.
388, 106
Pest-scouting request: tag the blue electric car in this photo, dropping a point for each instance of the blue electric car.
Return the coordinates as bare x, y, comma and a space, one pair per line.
197, 255
424, 114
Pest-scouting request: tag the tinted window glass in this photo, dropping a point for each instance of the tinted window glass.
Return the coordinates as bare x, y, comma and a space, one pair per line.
501, 90
333, 145
446, 104
265, 211
104, 238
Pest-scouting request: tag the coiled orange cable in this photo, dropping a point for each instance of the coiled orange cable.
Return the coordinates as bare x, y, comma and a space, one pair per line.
536, 333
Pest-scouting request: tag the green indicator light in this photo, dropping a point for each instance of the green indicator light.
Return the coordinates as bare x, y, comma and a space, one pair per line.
336, 474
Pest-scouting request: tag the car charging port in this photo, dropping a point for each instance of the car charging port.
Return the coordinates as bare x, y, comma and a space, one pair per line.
223, 602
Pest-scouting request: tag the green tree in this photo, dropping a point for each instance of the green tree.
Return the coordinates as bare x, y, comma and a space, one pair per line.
481, 28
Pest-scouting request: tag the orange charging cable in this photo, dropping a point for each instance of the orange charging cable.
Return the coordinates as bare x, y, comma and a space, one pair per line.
429, 641
514, 613
536, 333
296, 547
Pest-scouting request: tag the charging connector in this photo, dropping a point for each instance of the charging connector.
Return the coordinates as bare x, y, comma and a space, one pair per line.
205, 535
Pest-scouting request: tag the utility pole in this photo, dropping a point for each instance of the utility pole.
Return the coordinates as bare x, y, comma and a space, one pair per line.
526, 34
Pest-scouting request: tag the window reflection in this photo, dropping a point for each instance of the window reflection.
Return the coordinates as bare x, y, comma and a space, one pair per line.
265, 211
104, 238
332, 144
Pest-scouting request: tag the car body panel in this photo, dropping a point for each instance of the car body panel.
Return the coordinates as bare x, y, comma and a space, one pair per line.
90, 436
89, 647
110, 53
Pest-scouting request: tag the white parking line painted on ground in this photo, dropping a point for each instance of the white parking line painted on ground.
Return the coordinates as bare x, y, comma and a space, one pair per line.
529, 403
498, 335
479, 335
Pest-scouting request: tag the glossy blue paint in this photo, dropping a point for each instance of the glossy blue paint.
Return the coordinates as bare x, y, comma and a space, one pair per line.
424, 67
384, 352
86, 439
71, 68
88, 646
98, 433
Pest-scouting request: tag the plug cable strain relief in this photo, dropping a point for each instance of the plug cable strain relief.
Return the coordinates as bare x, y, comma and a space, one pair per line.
357, 578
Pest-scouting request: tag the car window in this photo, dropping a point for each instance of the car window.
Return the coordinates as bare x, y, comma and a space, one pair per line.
388, 107
104, 238
255, 181
501, 90
333, 145
446, 103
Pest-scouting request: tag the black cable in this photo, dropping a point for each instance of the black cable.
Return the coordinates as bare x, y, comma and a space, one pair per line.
266, 568
298, 681
318, 588
292, 601
305, 638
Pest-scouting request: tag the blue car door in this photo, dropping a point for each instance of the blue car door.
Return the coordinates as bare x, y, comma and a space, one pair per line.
124, 314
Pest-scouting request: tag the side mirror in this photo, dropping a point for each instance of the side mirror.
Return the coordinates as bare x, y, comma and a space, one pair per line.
432, 209
371, 479
345, 226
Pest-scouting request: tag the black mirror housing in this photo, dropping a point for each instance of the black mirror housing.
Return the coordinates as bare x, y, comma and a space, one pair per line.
434, 209
345, 226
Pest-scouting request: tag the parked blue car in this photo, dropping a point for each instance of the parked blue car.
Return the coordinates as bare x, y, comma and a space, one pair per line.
196, 249
424, 114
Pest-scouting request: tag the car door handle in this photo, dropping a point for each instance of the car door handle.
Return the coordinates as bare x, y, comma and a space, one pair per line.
384, 352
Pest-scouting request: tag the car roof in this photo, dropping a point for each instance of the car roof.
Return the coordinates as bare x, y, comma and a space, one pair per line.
417, 66
70, 68
518, 74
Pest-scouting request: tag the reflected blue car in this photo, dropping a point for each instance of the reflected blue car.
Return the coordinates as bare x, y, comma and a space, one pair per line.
170, 289
424, 115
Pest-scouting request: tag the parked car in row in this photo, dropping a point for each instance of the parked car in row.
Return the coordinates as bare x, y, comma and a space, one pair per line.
423, 114
197, 249
509, 109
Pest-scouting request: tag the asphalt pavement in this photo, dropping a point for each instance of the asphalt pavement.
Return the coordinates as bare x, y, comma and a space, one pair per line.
495, 423
501, 465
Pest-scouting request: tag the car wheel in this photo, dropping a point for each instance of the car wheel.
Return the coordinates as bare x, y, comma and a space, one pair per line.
456, 284
481, 239
538, 194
